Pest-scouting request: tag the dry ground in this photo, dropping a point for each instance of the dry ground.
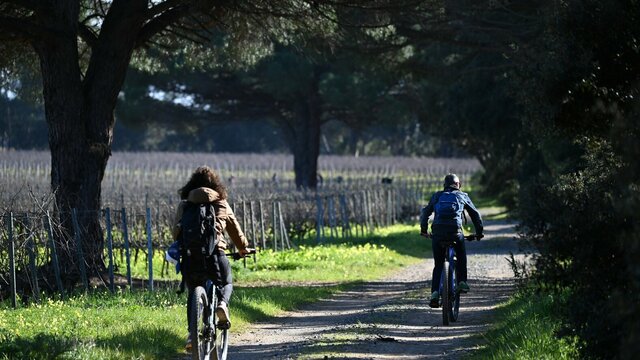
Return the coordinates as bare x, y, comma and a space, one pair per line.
389, 318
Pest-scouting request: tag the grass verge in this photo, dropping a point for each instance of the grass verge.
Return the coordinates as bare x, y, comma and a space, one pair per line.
152, 325
355, 259
359, 259
525, 329
136, 325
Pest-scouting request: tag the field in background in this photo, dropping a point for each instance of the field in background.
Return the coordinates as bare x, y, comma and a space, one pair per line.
135, 178
140, 195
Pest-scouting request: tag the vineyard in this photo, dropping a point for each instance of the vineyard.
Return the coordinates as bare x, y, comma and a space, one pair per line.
139, 195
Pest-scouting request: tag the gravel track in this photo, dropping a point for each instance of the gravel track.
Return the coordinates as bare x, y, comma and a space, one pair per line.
389, 318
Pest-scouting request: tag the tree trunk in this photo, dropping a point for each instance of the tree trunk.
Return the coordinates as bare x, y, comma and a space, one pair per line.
306, 142
79, 113
354, 138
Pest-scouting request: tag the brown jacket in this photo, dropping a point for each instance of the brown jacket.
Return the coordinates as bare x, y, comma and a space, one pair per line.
225, 219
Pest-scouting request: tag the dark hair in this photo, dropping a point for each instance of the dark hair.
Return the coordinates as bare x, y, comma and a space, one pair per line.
450, 180
203, 176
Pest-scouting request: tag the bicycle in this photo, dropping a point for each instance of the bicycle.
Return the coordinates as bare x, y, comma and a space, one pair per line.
449, 293
208, 335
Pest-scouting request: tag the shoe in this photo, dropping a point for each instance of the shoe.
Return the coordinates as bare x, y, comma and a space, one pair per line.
463, 287
222, 312
435, 300
187, 346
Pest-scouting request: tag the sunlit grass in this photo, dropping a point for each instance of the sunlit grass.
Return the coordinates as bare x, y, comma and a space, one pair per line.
137, 325
359, 259
96, 326
152, 325
331, 261
525, 329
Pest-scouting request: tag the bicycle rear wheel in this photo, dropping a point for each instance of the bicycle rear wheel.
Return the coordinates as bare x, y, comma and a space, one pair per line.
200, 332
454, 294
446, 304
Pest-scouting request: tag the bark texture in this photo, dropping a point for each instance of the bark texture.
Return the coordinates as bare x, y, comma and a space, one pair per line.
306, 137
79, 111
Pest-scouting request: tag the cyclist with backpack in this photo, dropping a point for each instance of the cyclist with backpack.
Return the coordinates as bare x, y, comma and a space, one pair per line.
202, 216
448, 205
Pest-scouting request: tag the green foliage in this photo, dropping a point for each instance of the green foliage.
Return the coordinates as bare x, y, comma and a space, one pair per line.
578, 184
285, 63
549, 105
571, 245
526, 328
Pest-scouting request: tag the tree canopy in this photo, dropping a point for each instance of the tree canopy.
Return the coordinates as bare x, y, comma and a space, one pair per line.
544, 93
84, 48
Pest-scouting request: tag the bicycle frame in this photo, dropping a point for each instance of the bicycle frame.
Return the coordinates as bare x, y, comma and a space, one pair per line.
449, 293
210, 338
211, 305
450, 261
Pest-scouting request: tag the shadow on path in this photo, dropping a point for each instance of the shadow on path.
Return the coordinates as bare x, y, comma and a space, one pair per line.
359, 327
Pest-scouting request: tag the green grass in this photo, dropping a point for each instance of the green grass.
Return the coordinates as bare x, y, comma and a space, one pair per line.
525, 329
481, 201
490, 207
358, 260
140, 269
152, 325
337, 260
496, 214
98, 326
137, 325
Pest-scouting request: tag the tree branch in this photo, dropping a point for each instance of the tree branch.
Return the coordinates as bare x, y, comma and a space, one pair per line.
87, 35
175, 10
162, 7
37, 6
23, 28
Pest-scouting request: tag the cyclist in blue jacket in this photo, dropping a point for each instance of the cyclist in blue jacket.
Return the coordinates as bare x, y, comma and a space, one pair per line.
448, 205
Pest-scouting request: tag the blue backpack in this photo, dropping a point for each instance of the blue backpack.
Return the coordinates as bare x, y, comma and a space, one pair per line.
448, 207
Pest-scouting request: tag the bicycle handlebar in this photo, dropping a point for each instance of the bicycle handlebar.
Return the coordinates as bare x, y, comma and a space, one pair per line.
468, 237
238, 256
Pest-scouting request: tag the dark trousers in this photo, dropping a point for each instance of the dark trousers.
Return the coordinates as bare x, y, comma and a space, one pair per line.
439, 253
219, 271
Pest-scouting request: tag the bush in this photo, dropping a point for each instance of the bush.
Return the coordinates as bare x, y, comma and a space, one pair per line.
576, 223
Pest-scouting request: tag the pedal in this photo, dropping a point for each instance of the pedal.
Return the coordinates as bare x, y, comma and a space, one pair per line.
224, 325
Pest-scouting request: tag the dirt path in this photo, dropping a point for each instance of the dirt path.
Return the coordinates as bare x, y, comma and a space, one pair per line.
389, 318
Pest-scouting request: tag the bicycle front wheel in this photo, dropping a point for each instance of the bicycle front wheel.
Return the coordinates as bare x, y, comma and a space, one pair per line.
200, 332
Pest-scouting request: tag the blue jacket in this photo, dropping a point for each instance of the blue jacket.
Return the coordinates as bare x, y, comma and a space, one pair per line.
464, 203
